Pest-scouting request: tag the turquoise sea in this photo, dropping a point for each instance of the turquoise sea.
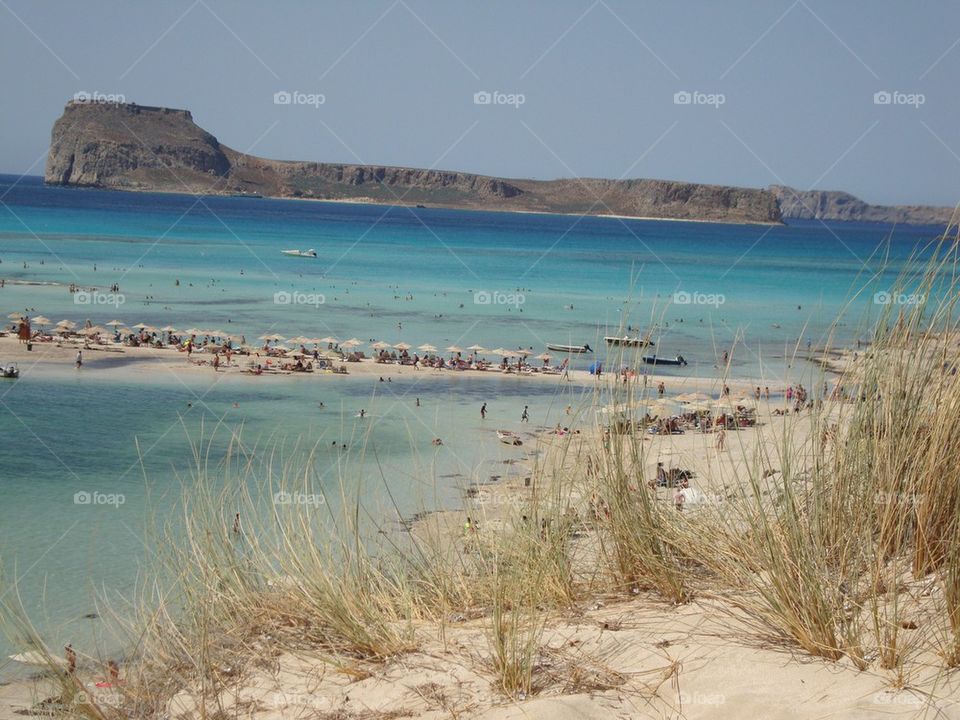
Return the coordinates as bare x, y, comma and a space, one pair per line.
395, 274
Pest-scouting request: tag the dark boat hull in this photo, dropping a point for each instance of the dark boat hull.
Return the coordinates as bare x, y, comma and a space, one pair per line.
654, 360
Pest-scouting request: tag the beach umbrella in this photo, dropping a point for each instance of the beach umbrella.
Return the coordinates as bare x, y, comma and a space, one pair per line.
272, 337
327, 339
15, 316
500, 351
95, 330
115, 323
193, 331
544, 356
427, 347
454, 349
476, 348
41, 320
300, 339
353, 342
380, 345
525, 353
169, 329
139, 326
403, 346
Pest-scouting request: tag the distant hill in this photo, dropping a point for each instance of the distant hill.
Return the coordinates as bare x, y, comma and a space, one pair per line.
134, 147
837, 205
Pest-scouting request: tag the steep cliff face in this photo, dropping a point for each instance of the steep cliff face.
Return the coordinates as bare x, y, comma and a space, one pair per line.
836, 205
132, 147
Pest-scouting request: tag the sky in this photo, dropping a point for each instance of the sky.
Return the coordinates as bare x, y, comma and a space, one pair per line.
855, 96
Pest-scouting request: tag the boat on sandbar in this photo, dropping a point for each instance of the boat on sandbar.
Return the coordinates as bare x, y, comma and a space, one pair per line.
508, 437
654, 360
311, 253
577, 349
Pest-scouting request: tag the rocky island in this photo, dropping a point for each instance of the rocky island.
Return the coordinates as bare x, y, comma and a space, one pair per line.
135, 147
124, 146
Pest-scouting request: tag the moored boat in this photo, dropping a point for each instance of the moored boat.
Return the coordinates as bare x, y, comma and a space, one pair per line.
654, 360
578, 349
311, 253
509, 437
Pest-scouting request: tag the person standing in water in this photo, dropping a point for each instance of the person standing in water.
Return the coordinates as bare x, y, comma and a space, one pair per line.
525, 416
79, 358
483, 411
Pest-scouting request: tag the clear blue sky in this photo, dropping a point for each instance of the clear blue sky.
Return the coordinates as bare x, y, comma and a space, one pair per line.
598, 79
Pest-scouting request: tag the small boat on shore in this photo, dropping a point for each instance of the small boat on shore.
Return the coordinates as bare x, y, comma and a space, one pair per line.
311, 253
508, 437
627, 341
577, 349
10, 371
654, 360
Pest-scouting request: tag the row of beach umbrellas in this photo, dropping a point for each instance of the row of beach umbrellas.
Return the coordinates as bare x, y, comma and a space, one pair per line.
68, 325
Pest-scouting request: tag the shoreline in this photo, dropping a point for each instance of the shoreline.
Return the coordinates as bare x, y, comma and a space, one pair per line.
373, 202
59, 357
